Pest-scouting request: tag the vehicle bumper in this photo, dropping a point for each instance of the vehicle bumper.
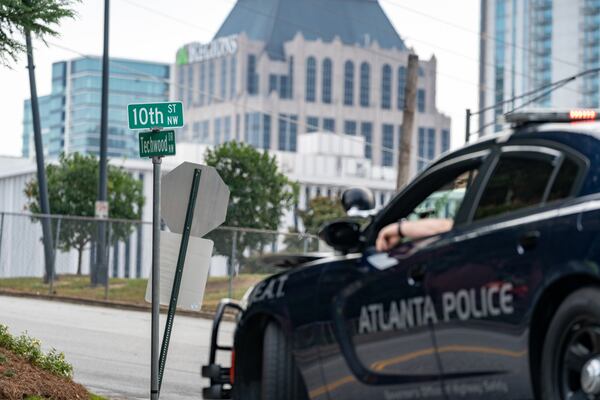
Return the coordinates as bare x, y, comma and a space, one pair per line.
220, 377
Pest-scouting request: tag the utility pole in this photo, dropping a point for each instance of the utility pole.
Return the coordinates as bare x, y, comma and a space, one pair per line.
408, 121
101, 274
41, 172
468, 126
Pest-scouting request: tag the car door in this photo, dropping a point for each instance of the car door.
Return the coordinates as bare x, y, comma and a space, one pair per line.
485, 275
378, 321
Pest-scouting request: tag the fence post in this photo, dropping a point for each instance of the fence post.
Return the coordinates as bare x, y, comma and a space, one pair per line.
106, 249
57, 238
305, 243
231, 263
138, 251
1, 231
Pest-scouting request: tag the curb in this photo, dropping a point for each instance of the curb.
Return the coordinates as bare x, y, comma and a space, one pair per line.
110, 304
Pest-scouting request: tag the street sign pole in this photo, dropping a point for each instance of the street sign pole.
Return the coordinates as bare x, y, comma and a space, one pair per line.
154, 381
156, 144
189, 215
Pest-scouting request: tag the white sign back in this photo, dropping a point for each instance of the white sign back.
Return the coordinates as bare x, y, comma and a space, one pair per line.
195, 271
211, 205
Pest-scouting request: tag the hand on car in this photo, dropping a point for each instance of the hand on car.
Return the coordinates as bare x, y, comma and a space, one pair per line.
388, 237
391, 235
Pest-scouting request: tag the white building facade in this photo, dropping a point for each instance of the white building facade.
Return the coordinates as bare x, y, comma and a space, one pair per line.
265, 80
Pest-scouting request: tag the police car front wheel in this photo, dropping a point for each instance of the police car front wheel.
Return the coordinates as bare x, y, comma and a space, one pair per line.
571, 355
281, 379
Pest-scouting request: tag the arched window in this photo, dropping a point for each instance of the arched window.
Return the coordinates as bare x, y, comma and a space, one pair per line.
311, 79
401, 87
365, 84
349, 83
327, 72
386, 87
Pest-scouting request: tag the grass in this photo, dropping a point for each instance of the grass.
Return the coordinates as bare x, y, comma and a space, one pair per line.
127, 290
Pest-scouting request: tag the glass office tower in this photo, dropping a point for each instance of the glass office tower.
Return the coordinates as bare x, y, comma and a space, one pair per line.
70, 115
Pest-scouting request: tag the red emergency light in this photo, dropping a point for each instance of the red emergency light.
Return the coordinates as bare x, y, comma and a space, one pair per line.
544, 115
582, 115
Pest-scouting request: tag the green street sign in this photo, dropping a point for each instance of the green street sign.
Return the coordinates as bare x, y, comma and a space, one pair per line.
157, 143
155, 115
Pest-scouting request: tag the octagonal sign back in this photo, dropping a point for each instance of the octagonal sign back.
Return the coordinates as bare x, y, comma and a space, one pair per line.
211, 204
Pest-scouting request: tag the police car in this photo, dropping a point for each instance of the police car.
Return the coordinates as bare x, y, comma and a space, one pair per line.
506, 305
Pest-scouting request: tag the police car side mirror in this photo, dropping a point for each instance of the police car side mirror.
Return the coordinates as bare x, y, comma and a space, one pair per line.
358, 199
342, 235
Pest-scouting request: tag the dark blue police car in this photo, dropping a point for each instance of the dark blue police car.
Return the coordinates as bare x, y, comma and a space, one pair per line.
506, 305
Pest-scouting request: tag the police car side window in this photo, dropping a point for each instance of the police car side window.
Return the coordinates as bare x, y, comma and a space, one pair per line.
517, 182
565, 180
445, 201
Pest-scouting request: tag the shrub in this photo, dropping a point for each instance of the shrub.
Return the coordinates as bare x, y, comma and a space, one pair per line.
30, 349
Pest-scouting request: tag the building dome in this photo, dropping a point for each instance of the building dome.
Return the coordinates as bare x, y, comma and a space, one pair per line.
355, 22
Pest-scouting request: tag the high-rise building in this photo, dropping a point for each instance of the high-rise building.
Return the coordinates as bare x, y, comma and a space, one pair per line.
277, 69
528, 44
70, 115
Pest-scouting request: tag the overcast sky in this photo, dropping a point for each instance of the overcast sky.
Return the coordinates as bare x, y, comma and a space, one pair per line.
154, 30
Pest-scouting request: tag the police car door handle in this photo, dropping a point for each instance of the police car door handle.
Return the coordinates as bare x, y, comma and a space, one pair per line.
416, 274
528, 241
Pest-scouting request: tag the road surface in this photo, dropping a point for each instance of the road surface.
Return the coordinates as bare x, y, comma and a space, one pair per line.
110, 348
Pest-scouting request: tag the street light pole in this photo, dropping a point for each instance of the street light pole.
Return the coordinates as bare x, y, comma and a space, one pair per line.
101, 276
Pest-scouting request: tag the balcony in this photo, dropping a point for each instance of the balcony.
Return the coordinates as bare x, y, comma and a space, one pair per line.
591, 25
542, 65
541, 35
589, 89
541, 5
591, 10
542, 19
591, 58
542, 51
591, 41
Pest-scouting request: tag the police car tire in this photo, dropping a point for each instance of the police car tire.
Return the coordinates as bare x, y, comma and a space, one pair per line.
281, 379
583, 302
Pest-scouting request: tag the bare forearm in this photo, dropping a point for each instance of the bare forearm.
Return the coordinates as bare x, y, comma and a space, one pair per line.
425, 227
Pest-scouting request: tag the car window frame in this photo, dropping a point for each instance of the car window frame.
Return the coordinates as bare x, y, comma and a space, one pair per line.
480, 159
536, 148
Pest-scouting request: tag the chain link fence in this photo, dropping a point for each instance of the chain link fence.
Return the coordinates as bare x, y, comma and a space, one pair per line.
235, 264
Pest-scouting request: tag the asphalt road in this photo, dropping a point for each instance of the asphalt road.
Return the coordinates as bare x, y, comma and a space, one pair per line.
110, 348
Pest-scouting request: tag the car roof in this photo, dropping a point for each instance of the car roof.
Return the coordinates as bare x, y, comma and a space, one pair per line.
529, 131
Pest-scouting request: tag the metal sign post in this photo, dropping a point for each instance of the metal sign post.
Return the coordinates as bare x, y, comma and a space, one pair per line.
189, 215
189, 218
154, 383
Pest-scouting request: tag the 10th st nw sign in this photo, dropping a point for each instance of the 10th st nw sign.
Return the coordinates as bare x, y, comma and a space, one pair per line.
155, 115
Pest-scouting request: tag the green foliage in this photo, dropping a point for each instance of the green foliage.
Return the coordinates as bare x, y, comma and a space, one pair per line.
260, 194
37, 16
72, 190
9, 373
30, 349
321, 210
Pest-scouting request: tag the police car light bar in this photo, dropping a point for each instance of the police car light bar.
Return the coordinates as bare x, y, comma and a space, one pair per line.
538, 116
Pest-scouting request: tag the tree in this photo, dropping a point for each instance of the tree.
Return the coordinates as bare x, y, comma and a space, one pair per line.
36, 16
72, 186
260, 194
320, 210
